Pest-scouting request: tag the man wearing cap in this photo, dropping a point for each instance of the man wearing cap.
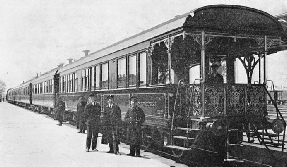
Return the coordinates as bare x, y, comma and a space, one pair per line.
135, 117
112, 122
92, 115
214, 77
60, 109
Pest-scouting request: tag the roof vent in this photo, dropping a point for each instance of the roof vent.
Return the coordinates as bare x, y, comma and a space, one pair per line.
70, 60
60, 65
86, 52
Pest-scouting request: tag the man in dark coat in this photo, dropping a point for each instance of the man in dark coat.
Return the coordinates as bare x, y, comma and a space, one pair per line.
60, 109
135, 117
80, 115
112, 123
214, 77
92, 115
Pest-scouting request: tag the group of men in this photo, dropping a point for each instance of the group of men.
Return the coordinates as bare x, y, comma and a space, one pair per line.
89, 118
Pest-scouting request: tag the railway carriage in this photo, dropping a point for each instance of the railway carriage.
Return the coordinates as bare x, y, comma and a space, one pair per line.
20, 95
42, 93
167, 66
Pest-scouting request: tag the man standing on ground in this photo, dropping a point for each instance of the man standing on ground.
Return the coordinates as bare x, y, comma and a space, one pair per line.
60, 110
135, 117
92, 115
80, 115
112, 123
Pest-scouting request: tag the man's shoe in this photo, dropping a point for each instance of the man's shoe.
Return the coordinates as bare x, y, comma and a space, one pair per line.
79, 132
59, 124
138, 155
117, 153
87, 150
110, 151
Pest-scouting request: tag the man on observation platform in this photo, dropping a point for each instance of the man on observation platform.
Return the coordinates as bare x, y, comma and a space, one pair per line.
214, 77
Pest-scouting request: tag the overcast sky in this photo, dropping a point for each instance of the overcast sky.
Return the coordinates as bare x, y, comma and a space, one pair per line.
37, 35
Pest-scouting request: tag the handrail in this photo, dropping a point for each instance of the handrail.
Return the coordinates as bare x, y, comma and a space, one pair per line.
174, 107
278, 112
275, 105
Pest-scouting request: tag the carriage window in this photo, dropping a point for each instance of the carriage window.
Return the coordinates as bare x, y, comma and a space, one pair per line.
83, 80
88, 73
122, 72
97, 77
66, 83
160, 64
73, 82
76, 83
143, 68
105, 76
41, 88
132, 70
93, 78
86, 80
49, 86
44, 86
194, 74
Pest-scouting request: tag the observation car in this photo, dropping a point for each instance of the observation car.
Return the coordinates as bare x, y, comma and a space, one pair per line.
167, 68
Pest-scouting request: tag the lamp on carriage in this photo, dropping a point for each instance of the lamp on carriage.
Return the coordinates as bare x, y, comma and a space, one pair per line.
278, 125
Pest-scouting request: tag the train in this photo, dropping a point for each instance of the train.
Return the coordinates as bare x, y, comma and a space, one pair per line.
167, 67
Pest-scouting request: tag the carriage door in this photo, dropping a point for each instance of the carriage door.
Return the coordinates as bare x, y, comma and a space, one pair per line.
56, 87
30, 93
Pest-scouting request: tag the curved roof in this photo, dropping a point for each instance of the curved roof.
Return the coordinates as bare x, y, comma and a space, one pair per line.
233, 19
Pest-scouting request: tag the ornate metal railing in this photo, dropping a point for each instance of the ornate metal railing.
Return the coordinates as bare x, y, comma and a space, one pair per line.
228, 100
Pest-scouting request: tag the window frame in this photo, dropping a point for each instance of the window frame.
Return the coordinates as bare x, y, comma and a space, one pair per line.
125, 69
136, 69
105, 63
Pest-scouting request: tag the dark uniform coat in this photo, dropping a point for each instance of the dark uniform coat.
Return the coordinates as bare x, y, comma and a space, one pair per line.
135, 117
216, 79
60, 110
80, 115
92, 116
112, 123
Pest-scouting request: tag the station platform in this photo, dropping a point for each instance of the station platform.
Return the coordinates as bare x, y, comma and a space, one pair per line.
29, 139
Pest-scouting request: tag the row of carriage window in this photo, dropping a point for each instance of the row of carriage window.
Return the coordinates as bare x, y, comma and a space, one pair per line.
97, 77
131, 71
